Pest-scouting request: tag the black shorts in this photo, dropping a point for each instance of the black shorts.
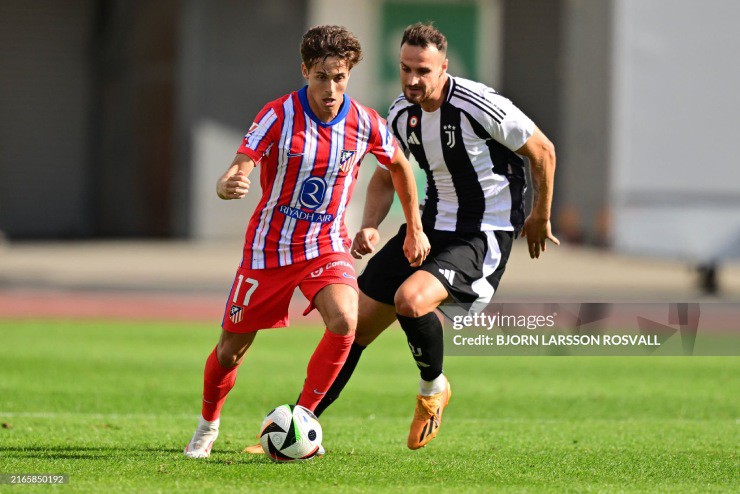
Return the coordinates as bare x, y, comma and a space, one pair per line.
469, 265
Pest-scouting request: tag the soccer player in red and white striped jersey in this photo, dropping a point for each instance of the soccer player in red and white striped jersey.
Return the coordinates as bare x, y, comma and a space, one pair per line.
309, 170
308, 146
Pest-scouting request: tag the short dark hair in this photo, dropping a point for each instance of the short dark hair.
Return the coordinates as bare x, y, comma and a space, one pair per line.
423, 35
321, 42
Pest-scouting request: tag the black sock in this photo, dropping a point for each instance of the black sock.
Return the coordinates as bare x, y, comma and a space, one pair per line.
355, 352
426, 341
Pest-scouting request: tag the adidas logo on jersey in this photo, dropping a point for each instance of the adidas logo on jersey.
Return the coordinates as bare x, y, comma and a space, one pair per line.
413, 139
448, 274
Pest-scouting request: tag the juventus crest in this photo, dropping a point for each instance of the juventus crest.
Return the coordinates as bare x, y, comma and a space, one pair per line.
450, 133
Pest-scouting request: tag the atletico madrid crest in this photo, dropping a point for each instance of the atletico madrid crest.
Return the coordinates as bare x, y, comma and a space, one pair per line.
345, 161
236, 313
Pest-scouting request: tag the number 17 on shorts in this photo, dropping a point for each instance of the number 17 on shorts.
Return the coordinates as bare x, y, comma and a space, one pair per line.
259, 299
241, 298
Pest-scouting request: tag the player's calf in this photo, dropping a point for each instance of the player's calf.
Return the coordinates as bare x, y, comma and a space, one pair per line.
426, 341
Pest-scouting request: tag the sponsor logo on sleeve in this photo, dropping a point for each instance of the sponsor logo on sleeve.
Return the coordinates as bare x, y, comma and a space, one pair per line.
251, 130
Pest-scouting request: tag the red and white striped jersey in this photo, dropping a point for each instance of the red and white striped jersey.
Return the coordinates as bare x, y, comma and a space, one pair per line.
308, 171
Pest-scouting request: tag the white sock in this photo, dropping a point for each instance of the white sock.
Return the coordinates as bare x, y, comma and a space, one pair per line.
429, 388
205, 424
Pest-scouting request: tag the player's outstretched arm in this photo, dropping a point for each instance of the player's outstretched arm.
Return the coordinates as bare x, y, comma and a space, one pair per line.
378, 201
416, 245
537, 228
234, 184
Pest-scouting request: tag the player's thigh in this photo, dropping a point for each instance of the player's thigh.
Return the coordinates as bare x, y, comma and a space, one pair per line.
470, 267
501, 243
386, 270
259, 299
373, 318
329, 282
420, 294
337, 304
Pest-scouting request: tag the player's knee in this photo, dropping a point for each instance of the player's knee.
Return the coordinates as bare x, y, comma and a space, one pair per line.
343, 323
409, 303
232, 347
226, 356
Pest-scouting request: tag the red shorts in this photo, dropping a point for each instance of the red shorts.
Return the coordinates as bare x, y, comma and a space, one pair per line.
259, 298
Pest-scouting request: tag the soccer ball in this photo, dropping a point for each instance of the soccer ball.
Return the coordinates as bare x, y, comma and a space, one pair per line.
290, 432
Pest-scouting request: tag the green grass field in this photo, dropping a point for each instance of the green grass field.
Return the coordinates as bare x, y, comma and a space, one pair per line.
113, 404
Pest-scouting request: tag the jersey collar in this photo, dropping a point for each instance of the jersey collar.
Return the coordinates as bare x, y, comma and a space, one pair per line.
303, 97
451, 88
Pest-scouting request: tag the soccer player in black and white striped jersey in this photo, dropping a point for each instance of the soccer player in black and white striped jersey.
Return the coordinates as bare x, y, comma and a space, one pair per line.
471, 142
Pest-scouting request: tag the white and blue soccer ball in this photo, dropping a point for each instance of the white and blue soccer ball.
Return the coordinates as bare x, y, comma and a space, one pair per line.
291, 432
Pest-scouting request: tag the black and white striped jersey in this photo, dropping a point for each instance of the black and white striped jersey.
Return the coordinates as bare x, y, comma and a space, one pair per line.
475, 180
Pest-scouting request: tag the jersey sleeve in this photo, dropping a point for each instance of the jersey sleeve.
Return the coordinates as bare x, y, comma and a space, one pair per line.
505, 122
260, 135
381, 144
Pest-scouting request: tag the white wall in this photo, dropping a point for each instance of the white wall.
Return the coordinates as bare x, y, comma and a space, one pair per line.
675, 179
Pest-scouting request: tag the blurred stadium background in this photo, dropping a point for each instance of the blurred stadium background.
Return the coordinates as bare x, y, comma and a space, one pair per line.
118, 116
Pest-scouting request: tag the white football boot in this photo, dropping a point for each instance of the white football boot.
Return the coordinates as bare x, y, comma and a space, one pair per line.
203, 438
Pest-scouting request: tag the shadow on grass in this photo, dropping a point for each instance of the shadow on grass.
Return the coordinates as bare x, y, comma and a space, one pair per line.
66, 452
